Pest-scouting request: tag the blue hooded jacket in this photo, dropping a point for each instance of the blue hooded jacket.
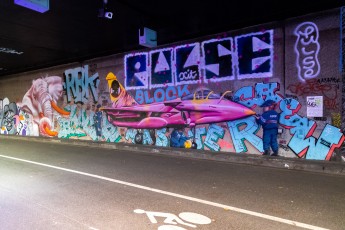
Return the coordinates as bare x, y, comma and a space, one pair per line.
269, 119
177, 139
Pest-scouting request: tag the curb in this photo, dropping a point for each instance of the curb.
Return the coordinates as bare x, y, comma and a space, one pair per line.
299, 164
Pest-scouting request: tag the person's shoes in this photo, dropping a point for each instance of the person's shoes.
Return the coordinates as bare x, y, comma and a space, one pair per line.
274, 154
266, 153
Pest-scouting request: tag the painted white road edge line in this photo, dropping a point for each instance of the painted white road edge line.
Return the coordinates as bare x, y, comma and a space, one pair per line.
226, 207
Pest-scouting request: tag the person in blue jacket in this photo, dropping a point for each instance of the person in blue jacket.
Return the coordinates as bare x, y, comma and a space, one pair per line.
178, 138
98, 121
269, 121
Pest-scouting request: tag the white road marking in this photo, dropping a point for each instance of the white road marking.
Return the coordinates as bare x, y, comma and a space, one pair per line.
170, 227
194, 218
214, 204
169, 217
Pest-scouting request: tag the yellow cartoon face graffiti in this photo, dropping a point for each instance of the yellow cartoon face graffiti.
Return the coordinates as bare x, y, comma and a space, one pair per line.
115, 87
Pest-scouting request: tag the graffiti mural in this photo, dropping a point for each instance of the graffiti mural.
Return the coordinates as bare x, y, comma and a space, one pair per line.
202, 94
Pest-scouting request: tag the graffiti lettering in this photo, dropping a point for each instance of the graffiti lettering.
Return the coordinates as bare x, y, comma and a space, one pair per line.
147, 138
254, 60
322, 149
328, 80
199, 133
130, 135
109, 132
71, 127
248, 133
311, 87
331, 104
160, 94
329, 91
188, 75
302, 141
301, 128
214, 133
218, 55
307, 48
263, 91
187, 63
161, 69
255, 55
162, 139
78, 84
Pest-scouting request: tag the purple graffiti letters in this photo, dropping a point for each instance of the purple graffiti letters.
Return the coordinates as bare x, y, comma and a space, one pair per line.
307, 48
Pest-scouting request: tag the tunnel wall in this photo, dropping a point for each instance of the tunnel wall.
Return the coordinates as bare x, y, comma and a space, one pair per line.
141, 97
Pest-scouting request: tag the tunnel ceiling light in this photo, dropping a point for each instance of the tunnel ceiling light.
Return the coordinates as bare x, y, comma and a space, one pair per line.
104, 12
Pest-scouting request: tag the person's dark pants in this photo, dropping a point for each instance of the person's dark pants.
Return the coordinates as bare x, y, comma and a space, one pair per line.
270, 140
98, 130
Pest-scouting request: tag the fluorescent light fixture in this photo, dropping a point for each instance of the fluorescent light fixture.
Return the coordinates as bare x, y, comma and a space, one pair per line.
36, 5
147, 37
103, 11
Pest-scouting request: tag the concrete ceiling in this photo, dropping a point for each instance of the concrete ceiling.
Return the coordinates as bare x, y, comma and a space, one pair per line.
72, 31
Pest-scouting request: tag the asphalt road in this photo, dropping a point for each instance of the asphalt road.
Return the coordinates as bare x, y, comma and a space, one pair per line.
57, 186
